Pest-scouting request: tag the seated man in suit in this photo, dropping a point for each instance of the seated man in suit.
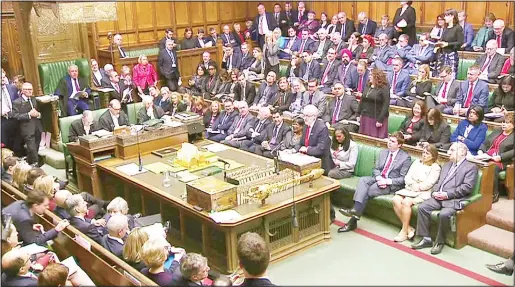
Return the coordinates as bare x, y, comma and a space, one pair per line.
321, 47
387, 177
267, 92
230, 60
504, 36
291, 44
121, 91
399, 80
347, 72
74, 91
341, 109
473, 91
310, 68
193, 270
244, 90
313, 96
114, 117
274, 138
254, 134
383, 54
9, 123
457, 179
96, 207
16, 267
206, 62
329, 70
338, 45
315, 138
106, 74
78, 208
22, 214
366, 26
421, 53
491, 63
402, 48
254, 257
246, 58
97, 75
82, 126
240, 126
306, 43
117, 229
149, 111
26, 112
222, 124
446, 92
117, 46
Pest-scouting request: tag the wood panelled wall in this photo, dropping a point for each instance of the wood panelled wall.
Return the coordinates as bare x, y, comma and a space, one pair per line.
11, 53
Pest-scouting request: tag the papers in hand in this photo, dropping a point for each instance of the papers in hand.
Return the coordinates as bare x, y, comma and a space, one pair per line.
402, 24
130, 169
494, 115
78, 94
33, 249
483, 156
227, 216
71, 264
105, 90
47, 98
350, 122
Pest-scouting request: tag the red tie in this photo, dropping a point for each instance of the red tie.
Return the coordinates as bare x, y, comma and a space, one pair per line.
326, 72
387, 166
76, 84
469, 95
360, 84
306, 136
302, 46
499, 41
444, 92
487, 63
394, 81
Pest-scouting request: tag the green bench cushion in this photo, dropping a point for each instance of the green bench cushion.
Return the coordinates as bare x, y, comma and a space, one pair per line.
502, 175
146, 52
463, 67
395, 122
132, 111
51, 73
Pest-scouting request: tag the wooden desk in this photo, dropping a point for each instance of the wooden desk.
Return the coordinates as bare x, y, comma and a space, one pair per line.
197, 232
86, 163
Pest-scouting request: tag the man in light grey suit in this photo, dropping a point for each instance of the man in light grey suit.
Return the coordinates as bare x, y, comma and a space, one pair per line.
457, 179
315, 97
388, 177
242, 123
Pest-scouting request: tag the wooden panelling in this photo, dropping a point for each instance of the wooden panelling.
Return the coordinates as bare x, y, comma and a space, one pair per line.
11, 53
431, 11
182, 17
471, 9
165, 15
197, 13
212, 11
145, 15
502, 10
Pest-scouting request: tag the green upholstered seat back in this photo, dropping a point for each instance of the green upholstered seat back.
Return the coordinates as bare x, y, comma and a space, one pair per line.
283, 68
367, 156
132, 111
98, 113
463, 67
145, 51
394, 122
64, 126
51, 73
490, 99
477, 187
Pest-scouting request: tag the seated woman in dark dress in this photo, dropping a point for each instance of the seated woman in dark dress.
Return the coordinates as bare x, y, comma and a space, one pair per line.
436, 130
412, 126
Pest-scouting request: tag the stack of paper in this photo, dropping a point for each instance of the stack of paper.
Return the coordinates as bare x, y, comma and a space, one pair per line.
298, 159
71, 264
216, 147
186, 176
130, 169
227, 216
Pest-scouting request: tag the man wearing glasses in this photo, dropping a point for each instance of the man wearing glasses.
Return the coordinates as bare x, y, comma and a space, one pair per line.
313, 96
491, 63
113, 117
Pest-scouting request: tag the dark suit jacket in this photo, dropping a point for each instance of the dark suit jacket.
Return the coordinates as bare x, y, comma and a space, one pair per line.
246, 61
115, 94
113, 246
479, 94
410, 16
416, 131
319, 144
314, 70
286, 21
283, 101
162, 42
332, 73
13, 92
452, 92
246, 124
207, 118
65, 89
403, 81
271, 94
270, 20
77, 129
415, 54
352, 79
231, 42
308, 45
28, 125
257, 282
87, 228
172, 109
475, 137
349, 29
495, 67
250, 92
506, 148
61, 212
295, 45
105, 122
166, 67
348, 109
217, 125
398, 171
440, 137
327, 45
210, 87
121, 51
283, 135
458, 185
19, 281
507, 40
23, 221
370, 28
143, 117
259, 129
236, 61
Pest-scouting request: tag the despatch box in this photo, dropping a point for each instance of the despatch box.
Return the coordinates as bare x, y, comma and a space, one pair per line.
211, 193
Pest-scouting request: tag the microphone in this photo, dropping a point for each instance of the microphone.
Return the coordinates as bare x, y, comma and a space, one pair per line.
225, 162
109, 35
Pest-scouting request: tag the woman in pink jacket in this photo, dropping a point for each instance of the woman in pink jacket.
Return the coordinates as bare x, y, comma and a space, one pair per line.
144, 75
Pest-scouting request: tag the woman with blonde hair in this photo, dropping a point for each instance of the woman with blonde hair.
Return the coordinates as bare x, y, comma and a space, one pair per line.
154, 254
417, 89
422, 175
47, 184
132, 248
257, 68
199, 106
20, 173
271, 52
144, 75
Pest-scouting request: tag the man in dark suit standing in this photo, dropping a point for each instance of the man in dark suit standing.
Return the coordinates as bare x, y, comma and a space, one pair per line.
169, 66
117, 228
345, 26
9, 123
113, 117
504, 36
78, 208
70, 88
491, 63
254, 257
387, 177
366, 26
457, 179
341, 109
315, 138
275, 138
288, 18
263, 23
25, 110
82, 126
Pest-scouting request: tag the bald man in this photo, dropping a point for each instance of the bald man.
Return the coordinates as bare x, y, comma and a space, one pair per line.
491, 63
117, 45
15, 266
504, 36
114, 117
26, 111
366, 26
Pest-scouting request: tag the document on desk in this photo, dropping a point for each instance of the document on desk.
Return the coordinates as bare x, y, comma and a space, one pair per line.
227, 216
130, 169
71, 264
216, 147
297, 158
102, 133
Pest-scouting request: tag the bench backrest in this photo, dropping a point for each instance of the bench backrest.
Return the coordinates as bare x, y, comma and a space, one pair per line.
51, 73
65, 123
132, 111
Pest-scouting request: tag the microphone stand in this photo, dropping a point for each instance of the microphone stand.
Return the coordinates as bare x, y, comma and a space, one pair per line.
295, 222
137, 143
276, 157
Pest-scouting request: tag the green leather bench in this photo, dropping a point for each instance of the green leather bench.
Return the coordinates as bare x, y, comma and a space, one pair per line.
132, 111
395, 122
382, 206
146, 51
463, 66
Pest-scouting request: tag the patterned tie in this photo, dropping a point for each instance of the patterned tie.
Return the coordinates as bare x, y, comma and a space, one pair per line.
394, 83
326, 72
360, 84
487, 63
387, 166
274, 135
499, 42
469, 95
336, 112
76, 84
444, 92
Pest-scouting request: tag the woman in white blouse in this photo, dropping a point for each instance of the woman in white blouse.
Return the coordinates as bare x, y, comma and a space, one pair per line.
419, 181
344, 153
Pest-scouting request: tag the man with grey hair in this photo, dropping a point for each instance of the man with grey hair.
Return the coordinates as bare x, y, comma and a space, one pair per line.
457, 180
193, 270
323, 44
366, 26
149, 111
117, 45
82, 126
504, 36
169, 66
254, 134
78, 208
345, 26
117, 228
491, 63
241, 125
74, 91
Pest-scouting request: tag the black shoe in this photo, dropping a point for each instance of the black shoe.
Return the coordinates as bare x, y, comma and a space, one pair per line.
349, 212
167, 227
499, 268
137, 215
350, 226
423, 243
437, 249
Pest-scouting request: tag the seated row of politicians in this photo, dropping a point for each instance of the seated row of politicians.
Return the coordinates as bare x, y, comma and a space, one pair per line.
109, 224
